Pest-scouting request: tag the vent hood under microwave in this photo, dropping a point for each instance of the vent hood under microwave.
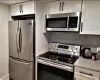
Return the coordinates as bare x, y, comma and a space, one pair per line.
63, 22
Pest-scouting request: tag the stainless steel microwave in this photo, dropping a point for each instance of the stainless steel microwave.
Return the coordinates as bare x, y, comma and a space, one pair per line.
63, 22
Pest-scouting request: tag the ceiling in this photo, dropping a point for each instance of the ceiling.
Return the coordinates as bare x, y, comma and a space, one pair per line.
9, 2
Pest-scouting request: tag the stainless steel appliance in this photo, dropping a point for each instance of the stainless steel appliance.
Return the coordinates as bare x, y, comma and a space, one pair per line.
61, 57
21, 49
63, 22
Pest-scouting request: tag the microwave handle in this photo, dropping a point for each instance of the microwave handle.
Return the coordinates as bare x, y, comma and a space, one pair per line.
68, 22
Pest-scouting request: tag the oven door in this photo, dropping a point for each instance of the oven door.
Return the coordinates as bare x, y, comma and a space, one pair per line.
51, 73
74, 21
57, 22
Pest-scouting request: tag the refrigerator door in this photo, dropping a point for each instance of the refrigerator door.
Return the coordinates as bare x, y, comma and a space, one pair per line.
20, 70
26, 40
13, 38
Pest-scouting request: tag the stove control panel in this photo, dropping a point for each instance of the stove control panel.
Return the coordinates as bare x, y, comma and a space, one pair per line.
65, 49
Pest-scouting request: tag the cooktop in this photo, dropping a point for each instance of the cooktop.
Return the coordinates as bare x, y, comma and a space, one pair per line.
54, 56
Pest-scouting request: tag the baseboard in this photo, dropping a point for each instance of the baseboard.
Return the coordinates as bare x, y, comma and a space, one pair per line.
6, 77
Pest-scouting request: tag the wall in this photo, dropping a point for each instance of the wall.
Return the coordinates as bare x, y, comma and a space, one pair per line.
4, 59
41, 37
75, 38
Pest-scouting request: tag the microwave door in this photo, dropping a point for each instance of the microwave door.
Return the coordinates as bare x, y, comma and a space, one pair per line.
74, 21
56, 24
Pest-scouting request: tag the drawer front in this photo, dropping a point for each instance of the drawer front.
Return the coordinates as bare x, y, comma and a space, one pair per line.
79, 70
77, 77
81, 77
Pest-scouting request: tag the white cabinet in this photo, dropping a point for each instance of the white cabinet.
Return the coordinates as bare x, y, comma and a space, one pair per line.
63, 6
53, 7
72, 6
22, 8
28, 7
85, 74
15, 9
90, 17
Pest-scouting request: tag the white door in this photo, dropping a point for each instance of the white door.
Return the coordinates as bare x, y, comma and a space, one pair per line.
91, 17
28, 7
71, 5
15, 9
53, 7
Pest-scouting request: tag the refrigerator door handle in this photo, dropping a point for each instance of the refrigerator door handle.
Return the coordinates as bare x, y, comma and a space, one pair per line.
17, 39
20, 40
18, 61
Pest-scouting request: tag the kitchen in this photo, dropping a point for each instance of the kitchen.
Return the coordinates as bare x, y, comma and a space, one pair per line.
87, 36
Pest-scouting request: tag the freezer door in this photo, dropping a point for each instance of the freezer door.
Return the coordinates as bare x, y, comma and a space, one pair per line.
13, 30
26, 39
21, 70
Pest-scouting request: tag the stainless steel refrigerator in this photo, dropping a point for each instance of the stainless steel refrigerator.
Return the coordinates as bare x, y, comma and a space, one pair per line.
22, 49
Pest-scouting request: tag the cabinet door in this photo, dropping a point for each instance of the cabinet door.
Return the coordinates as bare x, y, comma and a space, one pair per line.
28, 7
91, 17
71, 6
15, 9
53, 7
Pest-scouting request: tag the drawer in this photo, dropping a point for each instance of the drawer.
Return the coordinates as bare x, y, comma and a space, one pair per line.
79, 70
81, 77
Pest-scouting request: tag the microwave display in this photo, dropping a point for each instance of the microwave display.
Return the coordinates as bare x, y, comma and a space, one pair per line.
56, 23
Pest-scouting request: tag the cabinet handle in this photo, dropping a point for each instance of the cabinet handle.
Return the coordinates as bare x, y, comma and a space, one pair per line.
20, 8
62, 6
86, 73
81, 26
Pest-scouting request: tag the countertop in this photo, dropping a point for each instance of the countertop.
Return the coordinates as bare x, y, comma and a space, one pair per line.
88, 63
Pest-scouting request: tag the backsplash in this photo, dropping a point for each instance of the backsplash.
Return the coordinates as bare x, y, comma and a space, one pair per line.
75, 38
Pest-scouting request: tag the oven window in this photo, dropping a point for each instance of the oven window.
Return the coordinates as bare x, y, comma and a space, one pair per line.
73, 22
56, 23
50, 73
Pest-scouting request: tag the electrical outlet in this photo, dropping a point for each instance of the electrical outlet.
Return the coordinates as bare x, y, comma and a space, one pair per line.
98, 49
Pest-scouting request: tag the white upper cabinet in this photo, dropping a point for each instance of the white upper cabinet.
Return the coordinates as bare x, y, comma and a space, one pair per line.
63, 6
28, 7
71, 6
22, 8
53, 7
90, 17
15, 9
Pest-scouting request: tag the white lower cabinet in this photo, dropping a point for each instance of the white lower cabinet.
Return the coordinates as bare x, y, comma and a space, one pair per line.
86, 74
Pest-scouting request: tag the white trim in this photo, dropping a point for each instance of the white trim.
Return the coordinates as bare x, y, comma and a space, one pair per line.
6, 77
